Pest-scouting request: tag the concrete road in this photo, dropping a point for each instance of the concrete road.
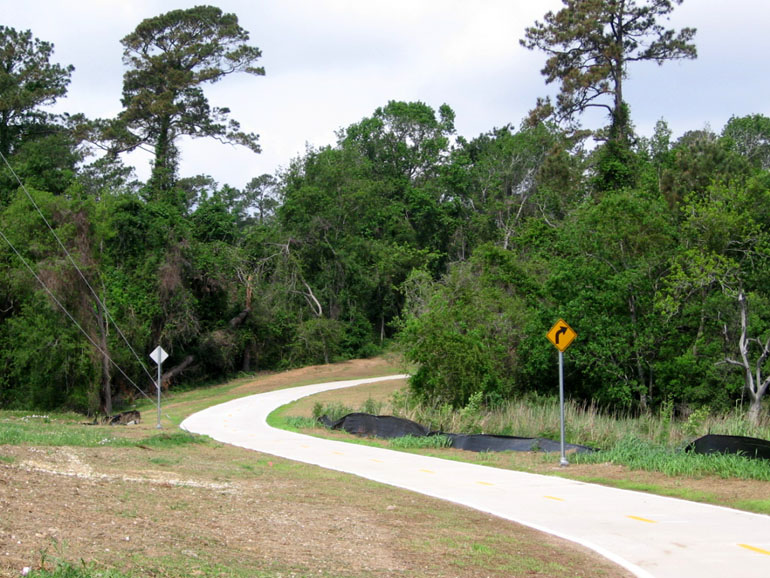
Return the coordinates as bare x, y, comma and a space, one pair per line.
649, 535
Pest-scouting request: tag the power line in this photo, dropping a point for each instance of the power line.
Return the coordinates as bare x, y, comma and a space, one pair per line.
63, 308
83, 277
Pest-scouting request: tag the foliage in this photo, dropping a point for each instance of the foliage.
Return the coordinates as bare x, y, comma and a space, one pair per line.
28, 81
464, 342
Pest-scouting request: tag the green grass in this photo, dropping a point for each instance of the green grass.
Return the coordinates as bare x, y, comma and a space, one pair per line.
65, 429
411, 442
53, 430
67, 570
647, 442
172, 440
585, 424
758, 506
640, 454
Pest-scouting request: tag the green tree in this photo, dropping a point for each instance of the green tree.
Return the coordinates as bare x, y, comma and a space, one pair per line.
610, 257
717, 271
464, 331
698, 160
504, 177
169, 58
590, 44
750, 137
28, 81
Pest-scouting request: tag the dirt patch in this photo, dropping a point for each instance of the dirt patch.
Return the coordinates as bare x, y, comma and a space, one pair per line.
216, 510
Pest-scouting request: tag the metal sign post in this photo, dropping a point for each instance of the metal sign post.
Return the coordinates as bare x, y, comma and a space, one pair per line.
563, 460
561, 335
158, 356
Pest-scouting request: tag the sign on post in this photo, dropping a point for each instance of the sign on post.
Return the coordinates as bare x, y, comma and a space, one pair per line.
158, 356
562, 336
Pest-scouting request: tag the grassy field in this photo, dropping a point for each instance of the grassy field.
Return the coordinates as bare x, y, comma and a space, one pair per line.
128, 501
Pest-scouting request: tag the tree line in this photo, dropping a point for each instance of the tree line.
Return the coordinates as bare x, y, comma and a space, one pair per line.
462, 251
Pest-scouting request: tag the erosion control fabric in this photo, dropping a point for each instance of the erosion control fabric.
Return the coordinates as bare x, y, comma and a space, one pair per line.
722, 444
387, 427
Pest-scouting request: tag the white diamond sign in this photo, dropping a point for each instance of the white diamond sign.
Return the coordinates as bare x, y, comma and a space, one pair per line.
158, 355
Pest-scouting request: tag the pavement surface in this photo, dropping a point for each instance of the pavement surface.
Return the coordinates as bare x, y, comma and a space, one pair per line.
651, 536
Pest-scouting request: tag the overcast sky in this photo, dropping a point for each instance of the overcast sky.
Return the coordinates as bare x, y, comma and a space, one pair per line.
330, 63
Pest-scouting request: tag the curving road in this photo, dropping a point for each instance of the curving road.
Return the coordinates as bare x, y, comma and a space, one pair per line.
652, 536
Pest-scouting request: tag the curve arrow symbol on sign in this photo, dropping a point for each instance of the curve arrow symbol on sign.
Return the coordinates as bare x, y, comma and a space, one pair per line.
561, 335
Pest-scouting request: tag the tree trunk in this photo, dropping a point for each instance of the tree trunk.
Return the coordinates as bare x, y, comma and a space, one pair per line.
754, 384
754, 410
177, 369
643, 393
105, 389
164, 165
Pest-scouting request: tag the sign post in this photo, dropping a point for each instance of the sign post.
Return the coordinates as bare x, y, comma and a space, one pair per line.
158, 356
561, 335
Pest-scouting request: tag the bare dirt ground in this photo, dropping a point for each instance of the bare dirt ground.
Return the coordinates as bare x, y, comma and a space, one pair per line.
208, 509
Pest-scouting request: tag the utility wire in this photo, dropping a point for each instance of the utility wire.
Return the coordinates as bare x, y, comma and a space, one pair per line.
63, 308
71, 260
83, 277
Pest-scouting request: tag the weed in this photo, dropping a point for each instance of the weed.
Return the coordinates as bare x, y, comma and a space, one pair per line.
166, 462
297, 423
639, 454
69, 570
336, 410
172, 440
694, 425
420, 442
372, 406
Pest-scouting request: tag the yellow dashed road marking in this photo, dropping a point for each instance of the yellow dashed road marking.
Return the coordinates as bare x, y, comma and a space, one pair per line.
485, 483
338, 453
554, 498
755, 549
378, 461
642, 519
427, 472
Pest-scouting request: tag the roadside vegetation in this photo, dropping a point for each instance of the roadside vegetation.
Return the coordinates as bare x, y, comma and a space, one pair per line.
653, 441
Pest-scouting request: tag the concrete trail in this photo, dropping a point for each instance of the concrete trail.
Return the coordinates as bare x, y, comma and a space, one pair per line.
651, 536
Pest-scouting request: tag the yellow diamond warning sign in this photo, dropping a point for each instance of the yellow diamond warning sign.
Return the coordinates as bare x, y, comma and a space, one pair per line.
561, 335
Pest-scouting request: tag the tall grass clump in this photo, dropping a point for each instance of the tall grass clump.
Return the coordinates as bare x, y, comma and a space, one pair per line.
585, 422
645, 455
419, 442
333, 411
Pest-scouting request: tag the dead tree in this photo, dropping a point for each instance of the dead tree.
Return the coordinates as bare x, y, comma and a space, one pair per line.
755, 383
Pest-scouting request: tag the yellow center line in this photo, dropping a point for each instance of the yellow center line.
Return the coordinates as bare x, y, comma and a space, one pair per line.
485, 483
338, 453
554, 498
427, 472
378, 461
642, 519
755, 549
